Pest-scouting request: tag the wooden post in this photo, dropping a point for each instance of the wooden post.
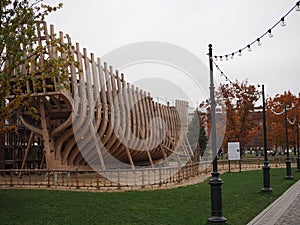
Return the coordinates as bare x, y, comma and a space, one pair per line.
62, 179
48, 178
97, 180
143, 178
27, 150
11, 178
119, 181
48, 142
29, 180
160, 177
77, 179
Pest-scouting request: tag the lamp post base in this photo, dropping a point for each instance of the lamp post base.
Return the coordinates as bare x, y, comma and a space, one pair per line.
288, 169
217, 219
216, 199
267, 189
266, 177
298, 163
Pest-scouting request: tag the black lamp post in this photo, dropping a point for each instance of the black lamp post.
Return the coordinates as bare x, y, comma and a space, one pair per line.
215, 182
266, 168
297, 141
288, 160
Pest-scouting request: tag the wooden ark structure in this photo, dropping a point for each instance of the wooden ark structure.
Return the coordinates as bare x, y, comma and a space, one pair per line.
97, 120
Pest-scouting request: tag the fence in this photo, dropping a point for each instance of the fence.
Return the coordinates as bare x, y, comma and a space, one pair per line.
252, 163
152, 178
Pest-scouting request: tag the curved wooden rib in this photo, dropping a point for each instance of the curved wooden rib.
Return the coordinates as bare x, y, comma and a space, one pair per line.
119, 149
79, 115
30, 127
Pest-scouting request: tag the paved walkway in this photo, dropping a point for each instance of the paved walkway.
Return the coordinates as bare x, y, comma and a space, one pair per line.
284, 211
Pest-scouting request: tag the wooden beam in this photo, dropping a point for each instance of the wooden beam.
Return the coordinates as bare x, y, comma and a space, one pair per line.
29, 143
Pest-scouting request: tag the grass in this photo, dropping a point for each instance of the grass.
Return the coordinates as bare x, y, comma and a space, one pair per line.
242, 200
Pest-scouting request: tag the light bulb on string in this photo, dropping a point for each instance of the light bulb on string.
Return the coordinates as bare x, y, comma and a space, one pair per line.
249, 48
258, 42
298, 6
283, 23
270, 33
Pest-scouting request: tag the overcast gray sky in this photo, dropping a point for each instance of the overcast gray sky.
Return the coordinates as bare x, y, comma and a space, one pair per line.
229, 25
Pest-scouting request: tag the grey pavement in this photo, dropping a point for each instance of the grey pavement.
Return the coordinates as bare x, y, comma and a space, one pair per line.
284, 211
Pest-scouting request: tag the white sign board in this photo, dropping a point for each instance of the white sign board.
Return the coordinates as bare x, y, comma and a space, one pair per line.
234, 151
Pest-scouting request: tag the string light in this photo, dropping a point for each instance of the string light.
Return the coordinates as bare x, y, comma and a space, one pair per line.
280, 113
249, 48
270, 33
276, 113
258, 41
282, 22
292, 123
222, 73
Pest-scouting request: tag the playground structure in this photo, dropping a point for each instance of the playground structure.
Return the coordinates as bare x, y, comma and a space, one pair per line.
95, 119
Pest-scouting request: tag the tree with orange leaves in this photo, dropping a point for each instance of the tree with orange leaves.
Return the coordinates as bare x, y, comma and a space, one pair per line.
276, 119
239, 99
236, 100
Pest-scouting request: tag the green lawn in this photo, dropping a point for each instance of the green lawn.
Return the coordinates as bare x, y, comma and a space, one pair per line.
242, 200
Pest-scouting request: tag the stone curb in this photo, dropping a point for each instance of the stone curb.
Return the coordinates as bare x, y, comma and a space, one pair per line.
273, 212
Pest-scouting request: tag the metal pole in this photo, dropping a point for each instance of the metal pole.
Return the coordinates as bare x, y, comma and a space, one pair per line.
215, 182
288, 160
266, 168
297, 141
